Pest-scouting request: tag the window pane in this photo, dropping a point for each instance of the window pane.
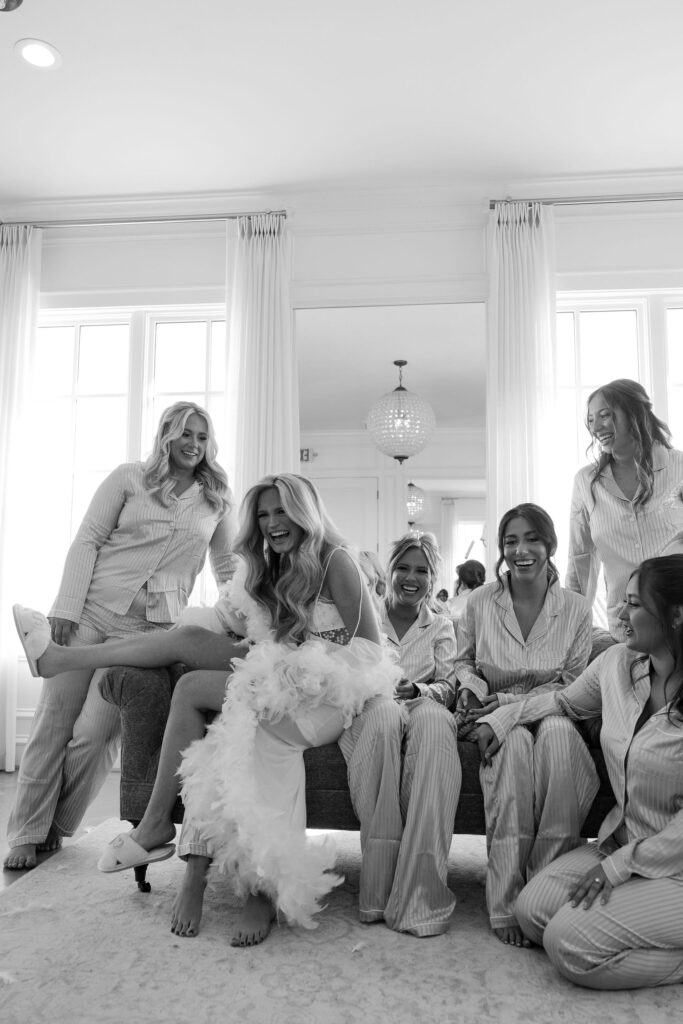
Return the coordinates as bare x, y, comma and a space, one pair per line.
54, 362
218, 355
180, 357
103, 359
566, 364
100, 433
676, 414
674, 333
609, 346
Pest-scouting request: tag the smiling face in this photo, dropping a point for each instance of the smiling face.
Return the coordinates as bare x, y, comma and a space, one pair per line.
643, 629
524, 551
282, 534
187, 451
411, 578
609, 426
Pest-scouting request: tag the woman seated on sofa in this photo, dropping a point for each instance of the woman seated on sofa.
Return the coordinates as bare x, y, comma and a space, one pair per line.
406, 806
609, 913
316, 657
522, 633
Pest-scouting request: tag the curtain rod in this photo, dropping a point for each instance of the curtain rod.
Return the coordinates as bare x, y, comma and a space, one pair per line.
180, 219
656, 197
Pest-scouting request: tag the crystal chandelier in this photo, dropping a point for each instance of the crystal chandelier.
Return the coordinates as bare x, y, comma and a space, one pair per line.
415, 503
400, 422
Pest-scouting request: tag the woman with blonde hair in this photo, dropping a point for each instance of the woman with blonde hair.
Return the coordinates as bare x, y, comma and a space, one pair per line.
129, 571
313, 658
628, 504
402, 756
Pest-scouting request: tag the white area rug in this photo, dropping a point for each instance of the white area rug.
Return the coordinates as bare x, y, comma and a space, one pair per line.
80, 947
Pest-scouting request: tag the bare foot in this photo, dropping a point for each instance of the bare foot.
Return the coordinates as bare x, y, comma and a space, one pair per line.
21, 858
52, 842
512, 936
255, 920
187, 909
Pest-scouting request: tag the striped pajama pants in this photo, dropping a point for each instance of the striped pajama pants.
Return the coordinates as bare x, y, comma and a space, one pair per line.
404, 777
537, 793
74, 736
635, 940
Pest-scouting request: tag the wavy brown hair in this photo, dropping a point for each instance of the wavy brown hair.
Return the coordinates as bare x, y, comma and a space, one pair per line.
660, 591
645, 428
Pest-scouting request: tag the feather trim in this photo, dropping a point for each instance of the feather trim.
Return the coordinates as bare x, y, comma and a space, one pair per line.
247, 834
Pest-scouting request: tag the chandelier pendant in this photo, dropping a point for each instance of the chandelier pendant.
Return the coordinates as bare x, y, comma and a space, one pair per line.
400, 422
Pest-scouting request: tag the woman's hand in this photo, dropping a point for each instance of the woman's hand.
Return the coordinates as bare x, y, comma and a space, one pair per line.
62, 630
593, 884
467, 702
488, 743
486, 706
405, 690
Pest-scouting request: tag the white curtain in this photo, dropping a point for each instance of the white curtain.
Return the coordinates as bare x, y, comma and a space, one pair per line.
520, 402
263, 393
20, 253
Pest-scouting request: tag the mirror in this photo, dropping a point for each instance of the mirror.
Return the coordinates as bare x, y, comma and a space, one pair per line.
345, 357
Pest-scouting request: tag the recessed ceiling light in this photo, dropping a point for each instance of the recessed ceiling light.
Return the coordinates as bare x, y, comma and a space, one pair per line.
38, 53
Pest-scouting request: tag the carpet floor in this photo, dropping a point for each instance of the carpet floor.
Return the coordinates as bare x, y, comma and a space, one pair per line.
80, 947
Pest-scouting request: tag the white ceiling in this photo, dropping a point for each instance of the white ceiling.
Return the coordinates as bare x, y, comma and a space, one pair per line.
158, 97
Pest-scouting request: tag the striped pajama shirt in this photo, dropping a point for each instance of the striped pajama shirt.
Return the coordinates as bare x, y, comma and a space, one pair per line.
636, 938
606, 528
541, 784
405, 777
130, 569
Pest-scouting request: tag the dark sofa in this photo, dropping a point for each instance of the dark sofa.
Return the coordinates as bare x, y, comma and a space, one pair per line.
144, 697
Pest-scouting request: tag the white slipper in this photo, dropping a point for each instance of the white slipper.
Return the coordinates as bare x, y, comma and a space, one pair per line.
34, 632
123, 853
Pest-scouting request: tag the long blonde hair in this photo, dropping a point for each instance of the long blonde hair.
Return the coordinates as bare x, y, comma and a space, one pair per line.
157, 469
287, 584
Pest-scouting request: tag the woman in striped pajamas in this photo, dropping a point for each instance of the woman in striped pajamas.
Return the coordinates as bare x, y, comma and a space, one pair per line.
402, 757
609, 913
629, 504
129, 570
522, 633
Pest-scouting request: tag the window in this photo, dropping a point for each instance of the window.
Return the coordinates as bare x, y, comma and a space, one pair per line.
101, 381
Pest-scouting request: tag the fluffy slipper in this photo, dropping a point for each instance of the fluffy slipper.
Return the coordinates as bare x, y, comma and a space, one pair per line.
34, 632
123, 853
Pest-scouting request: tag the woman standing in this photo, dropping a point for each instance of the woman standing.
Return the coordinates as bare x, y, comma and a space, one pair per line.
406, 807
609, 913
628, 504
130, 570
525, 633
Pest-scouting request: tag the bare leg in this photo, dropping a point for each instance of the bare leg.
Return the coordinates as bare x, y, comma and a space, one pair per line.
195, 694
187, 909
255, 920
196, 647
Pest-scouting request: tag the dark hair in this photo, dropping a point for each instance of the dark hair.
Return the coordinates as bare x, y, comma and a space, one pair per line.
442, 595
471, 574
645, 428
544, 527
660, 588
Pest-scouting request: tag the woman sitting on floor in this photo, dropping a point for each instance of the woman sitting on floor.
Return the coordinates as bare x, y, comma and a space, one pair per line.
609, 913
